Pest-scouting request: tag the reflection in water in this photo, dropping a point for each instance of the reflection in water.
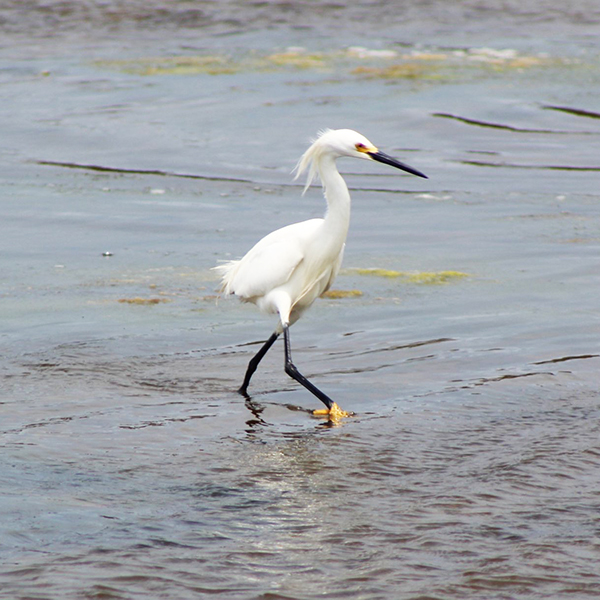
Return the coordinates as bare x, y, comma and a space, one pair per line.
256, 410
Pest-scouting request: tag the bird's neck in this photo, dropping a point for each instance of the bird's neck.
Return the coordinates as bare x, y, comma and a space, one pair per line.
337, 216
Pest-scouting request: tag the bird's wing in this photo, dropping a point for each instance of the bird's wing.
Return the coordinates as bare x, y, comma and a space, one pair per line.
335, 270
270, 263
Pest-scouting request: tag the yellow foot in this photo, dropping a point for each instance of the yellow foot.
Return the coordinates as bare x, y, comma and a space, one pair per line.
334, 413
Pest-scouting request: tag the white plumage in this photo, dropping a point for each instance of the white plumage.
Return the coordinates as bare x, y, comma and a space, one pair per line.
281, 274
287, 270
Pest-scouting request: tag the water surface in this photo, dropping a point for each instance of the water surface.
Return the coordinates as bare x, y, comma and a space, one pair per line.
142, 143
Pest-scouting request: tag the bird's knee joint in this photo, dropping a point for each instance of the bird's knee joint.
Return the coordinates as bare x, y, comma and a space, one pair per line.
291, 370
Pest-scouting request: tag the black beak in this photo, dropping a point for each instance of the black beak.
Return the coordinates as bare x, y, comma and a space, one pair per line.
390, 160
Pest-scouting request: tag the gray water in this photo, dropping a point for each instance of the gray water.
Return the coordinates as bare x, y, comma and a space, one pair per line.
142, 142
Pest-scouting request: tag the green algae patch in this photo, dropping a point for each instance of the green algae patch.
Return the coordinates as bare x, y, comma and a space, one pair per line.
409, 70
438, 278
143, 301
420, 277
337, 294
216, 64
433, 65
173, 65
296, 60
378, 272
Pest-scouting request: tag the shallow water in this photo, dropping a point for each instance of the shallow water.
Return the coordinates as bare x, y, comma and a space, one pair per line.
163, 137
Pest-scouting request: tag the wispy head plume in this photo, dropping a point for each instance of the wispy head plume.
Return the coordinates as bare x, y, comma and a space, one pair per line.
310, 161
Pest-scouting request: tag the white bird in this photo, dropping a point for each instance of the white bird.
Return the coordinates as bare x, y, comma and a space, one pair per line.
286, 271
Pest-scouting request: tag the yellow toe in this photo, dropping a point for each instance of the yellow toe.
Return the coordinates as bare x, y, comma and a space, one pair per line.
334, 413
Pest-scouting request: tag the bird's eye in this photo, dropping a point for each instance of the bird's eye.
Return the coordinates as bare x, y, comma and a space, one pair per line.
360, 147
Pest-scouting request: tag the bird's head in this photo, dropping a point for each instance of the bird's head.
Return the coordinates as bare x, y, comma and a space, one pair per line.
336, 143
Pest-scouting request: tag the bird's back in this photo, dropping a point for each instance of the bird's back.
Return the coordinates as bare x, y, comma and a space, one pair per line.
269, 263
293, 260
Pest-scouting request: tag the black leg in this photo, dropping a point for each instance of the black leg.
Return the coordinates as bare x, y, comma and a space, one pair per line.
293, 372
254, 363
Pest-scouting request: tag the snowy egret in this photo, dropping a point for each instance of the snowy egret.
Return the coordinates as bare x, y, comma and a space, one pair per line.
286, 271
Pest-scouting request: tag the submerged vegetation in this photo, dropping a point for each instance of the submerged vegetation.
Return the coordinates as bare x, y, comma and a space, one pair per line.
355, 61
337, 294
419, 277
